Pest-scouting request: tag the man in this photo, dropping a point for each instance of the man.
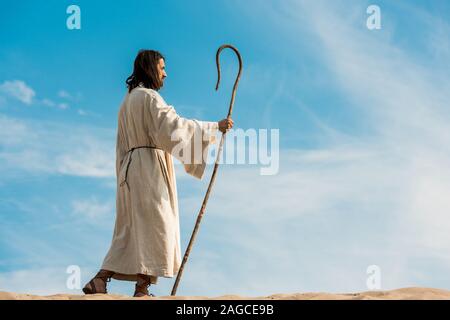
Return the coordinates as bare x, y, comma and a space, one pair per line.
146, 239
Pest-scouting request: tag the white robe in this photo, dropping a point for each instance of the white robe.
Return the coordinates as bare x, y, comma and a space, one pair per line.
146, 237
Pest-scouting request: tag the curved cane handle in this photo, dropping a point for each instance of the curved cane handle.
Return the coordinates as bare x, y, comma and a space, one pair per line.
230, 110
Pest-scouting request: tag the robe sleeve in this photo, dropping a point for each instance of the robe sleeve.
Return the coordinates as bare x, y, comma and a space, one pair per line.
187, 140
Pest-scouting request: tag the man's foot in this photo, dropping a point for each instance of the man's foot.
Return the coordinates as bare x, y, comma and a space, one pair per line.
142, 284
98, 283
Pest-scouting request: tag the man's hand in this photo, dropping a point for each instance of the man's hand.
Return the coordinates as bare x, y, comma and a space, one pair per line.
225, 125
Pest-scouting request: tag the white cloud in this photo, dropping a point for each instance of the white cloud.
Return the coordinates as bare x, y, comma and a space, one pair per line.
43, 281
317, 225
52, 148
48, 102
63, 106
93, 209
19, 90
408, 105
13, 131
378, 198
286, 231
64, 94
92, 159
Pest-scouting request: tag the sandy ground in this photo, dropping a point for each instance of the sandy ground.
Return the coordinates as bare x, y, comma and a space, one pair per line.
399, 294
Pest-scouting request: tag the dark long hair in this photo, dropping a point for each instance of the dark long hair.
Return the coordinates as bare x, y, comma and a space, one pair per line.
145, 70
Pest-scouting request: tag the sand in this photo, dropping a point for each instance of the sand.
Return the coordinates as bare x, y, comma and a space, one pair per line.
399, 294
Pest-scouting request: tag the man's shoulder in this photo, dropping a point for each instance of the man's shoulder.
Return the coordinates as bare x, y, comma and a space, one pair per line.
141, 91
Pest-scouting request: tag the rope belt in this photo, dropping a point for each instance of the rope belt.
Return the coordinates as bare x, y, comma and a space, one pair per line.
129, 162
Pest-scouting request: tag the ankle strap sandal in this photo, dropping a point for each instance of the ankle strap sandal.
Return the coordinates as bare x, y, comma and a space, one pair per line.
142, 284
98, 283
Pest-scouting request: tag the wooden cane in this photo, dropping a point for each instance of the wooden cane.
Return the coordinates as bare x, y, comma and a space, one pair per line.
216, 165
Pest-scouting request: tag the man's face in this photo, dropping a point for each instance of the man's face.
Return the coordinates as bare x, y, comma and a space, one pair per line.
162, 70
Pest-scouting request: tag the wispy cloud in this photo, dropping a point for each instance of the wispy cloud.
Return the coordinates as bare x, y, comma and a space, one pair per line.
407, 103
302, 226
70, 96
44, 281
14, 131
375, 198
63, 105
64, 94
48, 102
19, 90
51, 103
92, 209
52, 148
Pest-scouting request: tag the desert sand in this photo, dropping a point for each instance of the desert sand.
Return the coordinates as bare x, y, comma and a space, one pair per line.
399, 294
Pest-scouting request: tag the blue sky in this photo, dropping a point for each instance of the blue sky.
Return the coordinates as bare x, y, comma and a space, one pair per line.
364, 172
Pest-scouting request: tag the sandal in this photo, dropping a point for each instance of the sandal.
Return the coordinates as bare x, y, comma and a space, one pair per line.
142, 284
98, 283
